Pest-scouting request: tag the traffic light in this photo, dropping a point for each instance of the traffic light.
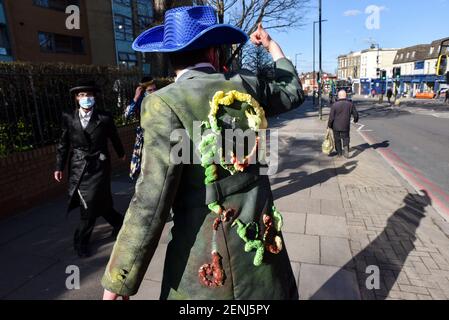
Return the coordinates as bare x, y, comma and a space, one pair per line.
397, 73
378, 73
384, 75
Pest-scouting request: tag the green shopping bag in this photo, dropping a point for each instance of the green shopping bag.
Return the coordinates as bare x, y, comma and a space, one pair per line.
329, 143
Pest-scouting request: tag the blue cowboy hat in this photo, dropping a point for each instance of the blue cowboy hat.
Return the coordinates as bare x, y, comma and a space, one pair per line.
188, 28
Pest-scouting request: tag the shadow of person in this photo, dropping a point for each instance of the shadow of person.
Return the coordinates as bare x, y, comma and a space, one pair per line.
361, 148
298, 181
384, 258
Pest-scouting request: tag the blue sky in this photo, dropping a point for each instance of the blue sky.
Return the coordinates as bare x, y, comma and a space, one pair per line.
402, 23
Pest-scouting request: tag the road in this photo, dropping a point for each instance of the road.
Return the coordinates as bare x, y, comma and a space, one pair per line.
417, 133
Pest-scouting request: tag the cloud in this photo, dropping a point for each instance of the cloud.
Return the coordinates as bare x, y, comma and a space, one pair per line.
352, 13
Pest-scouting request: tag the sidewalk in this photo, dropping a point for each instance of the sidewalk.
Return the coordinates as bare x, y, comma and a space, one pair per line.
341, 216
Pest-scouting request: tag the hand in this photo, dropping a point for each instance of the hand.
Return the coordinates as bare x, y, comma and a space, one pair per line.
261, 38
110, 296
139, 92
58, 176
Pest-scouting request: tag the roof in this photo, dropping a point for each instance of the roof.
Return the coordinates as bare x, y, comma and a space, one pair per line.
376, 50
422, 52
414, 53
436, 44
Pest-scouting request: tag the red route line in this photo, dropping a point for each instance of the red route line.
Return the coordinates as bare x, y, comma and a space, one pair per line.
421, 183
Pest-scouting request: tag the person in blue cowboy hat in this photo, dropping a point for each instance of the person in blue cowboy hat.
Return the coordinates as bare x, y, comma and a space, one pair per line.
227, 240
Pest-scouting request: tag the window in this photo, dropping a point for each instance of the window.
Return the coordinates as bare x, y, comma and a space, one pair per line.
144, 8
419, 65
4, 40
408, 55
123, 28
144, 22
46, 42
402, 56
127, 59
57, 43
144, 12
413, 54
60, 5
431, 50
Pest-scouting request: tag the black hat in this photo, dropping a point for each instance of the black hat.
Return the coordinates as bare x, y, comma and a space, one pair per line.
85, 86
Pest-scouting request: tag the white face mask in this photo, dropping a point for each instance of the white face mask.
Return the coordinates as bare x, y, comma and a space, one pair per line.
87, 102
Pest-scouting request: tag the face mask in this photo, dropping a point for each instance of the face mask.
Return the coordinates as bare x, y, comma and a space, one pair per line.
87, 102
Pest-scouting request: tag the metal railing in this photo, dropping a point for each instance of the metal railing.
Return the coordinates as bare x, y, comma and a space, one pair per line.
33, 97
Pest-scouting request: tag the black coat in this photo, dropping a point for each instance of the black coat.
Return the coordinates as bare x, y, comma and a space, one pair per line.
340, 115
89, 159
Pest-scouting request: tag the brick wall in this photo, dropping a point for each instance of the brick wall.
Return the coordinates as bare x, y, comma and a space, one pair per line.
26, 179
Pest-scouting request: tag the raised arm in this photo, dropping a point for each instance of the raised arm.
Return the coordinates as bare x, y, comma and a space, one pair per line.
285, 91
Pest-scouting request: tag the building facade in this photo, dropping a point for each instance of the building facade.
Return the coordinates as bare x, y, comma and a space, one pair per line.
349, 67
101, 32
35, 31
374, 61
38, 32
361, 69
309, 81
131, 17
417, 65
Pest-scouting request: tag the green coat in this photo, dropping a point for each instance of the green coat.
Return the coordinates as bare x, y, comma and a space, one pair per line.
163, 185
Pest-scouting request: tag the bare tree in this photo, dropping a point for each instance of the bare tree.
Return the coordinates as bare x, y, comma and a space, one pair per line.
276, 14
257, 60
247, 14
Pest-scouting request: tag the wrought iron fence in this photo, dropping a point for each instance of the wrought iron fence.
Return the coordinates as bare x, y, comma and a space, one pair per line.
33, 97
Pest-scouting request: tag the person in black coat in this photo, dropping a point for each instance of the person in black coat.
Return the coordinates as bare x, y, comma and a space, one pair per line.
84, 142
340, 122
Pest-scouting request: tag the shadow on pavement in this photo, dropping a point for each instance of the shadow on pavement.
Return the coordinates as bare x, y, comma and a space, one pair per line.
37, 257
298, 181
363, 147
388, 251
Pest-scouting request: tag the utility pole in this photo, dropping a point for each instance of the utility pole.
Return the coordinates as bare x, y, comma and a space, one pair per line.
314, 71
314, 63
320, 93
